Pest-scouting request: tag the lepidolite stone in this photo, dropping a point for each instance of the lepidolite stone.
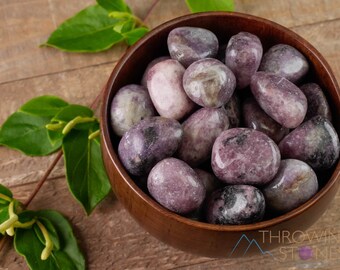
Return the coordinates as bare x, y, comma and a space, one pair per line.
245, 156
294, 184
164, 83
150, 65
148, 142
279, 98
317, 102
209, 181
176, 186
189, 44
286, 61
233, 111
254, 117
209, 83
314, 142
200, 131
235, 205
243, 57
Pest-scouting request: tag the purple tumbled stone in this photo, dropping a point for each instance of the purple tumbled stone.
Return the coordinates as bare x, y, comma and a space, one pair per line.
148, 142
314, 142
243, 56
279, 98
294, 184
209, 180
317, 102
209, 83
286, 61
129, 106
254, 117
199, 133
245, 156
235, 205
176, 186
189, 44
233, 111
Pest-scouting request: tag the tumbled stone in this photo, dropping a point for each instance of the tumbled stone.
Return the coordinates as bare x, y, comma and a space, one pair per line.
209, 83
286, 61
235, 205
199, 133
245, 156
294, 184
176, 186
317, 102
243, 56
314, 142
148, 142
189, 44
279, 98
233, 110
164, 83
254, 117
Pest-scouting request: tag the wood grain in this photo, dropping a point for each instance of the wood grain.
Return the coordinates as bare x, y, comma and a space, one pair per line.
109, 237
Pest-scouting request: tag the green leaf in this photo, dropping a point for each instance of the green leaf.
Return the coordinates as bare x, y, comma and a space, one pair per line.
4, 214
210, 5
26, 216
90, 30
5, 191
68, 257
85, 171
51, 231
45, 106
55, 136
71, 111
27, 133
134, 35
114, 5
68, 114
124, 26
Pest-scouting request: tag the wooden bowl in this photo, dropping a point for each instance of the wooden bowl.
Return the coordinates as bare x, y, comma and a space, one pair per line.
197, 237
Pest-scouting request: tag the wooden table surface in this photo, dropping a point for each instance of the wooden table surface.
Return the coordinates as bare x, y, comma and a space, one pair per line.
110, 238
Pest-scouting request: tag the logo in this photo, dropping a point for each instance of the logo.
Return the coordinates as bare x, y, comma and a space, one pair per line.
245, 241
299, 246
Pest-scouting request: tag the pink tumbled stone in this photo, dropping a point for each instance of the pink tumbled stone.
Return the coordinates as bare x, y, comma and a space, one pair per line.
164, 83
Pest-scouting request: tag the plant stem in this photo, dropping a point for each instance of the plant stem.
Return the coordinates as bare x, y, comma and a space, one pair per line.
43, 179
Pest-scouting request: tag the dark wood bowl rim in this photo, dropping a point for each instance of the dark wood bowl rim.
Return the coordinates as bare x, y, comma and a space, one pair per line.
136, 190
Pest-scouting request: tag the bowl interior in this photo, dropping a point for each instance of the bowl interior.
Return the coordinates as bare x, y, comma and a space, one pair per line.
132, 65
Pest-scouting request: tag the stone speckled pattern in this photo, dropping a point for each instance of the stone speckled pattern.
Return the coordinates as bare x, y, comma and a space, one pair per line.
243, 56
314, 142
176, 186
254, 117
209, 83
294, 184
199, 133
235, 205
317, 102
279, 98
245, 156
285, 61
164, 82
148, 142
233, 111
189, 44
130, 105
